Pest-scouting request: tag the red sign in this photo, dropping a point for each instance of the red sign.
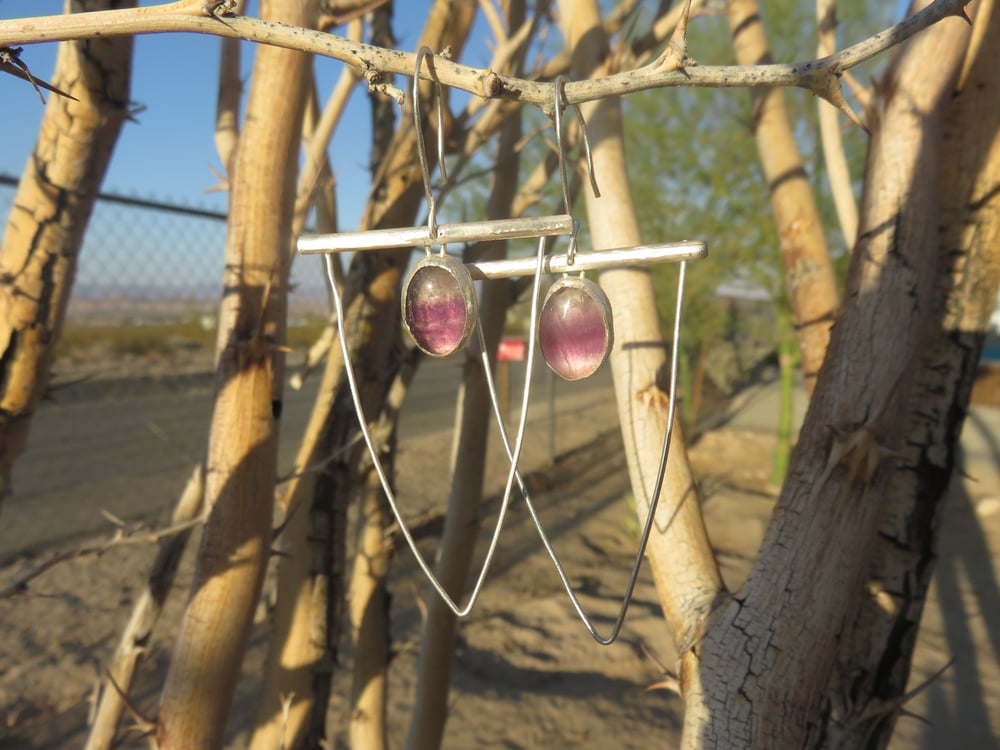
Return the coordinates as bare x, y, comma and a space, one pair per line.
512, 350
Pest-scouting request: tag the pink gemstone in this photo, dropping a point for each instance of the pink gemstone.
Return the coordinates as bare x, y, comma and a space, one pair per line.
574, 328
436, 311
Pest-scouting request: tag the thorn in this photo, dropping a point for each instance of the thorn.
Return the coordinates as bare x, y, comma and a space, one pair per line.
669, 683
881, 708
675, 56
142, 722
11, 63
113, 519
419, 600
669, 680
961, 13
133, 110
52, 390
825, 83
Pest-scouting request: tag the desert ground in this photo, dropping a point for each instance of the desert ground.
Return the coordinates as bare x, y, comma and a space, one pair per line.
526, 672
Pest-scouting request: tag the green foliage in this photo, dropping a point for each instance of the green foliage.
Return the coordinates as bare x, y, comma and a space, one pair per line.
695, 172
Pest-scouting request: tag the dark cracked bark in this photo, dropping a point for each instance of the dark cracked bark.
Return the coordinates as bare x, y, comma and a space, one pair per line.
51, 209
873, 668
768, 656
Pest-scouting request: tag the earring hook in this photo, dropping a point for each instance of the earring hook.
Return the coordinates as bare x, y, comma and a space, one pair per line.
559, 85
425, 170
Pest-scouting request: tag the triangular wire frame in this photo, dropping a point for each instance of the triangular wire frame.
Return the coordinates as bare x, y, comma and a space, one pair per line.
459, 611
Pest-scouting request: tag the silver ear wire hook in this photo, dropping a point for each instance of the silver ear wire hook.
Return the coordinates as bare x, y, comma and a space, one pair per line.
559, 85
425, 170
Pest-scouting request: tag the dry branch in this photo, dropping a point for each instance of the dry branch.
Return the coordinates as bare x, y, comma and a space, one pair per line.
829, 128
468, 463
227, 110
112, 700
196, 16
123, 536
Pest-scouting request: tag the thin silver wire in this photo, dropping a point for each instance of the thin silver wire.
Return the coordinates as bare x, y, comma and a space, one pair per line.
563, 176
657, 485
380, 471
425, 170
558, 85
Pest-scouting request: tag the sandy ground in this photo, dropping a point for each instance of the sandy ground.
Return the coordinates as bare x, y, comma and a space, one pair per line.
526, 672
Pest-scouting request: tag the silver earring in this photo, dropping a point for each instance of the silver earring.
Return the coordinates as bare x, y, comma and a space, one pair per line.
575, 329
439, 305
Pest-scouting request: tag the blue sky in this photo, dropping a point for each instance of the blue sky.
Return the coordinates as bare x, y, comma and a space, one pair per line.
168, 154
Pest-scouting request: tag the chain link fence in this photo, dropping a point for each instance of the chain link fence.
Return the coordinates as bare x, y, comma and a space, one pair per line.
145, 261
147, 289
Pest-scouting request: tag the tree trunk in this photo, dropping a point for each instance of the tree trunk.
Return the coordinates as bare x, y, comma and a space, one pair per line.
368, 610
49, 217
768, 654
371, 290
786, 370
306, 629
881, 630
812, 288
242, 450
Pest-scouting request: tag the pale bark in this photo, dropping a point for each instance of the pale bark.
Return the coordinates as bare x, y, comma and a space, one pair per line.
809, 279
134, 641
768, 654
829, 118
306, 628
242, 450
51, 209
227, 109
684, 568
880, 633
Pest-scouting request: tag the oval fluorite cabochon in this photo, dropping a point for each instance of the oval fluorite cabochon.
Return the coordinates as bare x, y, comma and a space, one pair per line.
439, 305
574, 328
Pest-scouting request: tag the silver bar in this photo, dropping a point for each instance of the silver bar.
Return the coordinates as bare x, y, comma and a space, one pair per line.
642, 255
471, 231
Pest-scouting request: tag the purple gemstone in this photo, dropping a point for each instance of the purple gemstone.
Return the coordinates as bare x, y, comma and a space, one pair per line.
574, 329
435, 310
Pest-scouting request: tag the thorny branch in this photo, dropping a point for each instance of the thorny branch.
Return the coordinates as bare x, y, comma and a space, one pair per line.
821, 76
121, 537
11, 63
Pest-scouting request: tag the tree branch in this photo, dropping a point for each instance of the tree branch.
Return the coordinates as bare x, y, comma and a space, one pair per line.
833, 145
197, 16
